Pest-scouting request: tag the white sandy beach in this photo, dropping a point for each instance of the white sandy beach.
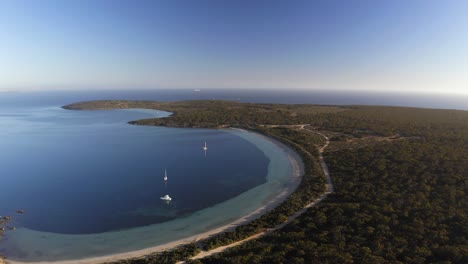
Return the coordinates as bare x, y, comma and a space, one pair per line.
295, 178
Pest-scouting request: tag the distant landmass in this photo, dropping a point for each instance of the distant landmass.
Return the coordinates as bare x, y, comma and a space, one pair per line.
399, 176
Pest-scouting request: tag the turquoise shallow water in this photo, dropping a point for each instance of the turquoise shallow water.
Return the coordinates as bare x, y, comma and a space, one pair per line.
91, 184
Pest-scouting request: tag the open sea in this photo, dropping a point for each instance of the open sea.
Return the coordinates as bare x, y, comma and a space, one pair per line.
90, 184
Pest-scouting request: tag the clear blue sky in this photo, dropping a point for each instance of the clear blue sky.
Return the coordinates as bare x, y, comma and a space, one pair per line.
412, 45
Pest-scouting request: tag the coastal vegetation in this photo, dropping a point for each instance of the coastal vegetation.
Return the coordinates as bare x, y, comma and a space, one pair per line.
178, 254
399, 174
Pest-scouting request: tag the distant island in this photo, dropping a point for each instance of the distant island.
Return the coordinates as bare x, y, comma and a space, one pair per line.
399, 175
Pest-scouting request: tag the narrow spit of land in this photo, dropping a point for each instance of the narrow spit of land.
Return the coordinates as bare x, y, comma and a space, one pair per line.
329, 190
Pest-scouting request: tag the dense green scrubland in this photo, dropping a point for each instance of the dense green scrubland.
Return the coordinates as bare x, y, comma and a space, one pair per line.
400, 177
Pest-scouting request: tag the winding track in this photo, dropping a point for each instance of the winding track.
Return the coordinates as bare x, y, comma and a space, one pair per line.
329, 190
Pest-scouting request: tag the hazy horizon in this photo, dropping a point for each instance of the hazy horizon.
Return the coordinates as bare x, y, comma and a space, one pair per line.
378, 46
232, 89
57, 98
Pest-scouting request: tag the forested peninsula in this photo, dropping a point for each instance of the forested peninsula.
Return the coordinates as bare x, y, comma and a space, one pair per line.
399, 174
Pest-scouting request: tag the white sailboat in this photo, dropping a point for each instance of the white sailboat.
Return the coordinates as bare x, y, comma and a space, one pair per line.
166, 198
205, 148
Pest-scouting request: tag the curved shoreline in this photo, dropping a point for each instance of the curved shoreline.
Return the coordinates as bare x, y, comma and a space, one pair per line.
329, 190
295, 174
